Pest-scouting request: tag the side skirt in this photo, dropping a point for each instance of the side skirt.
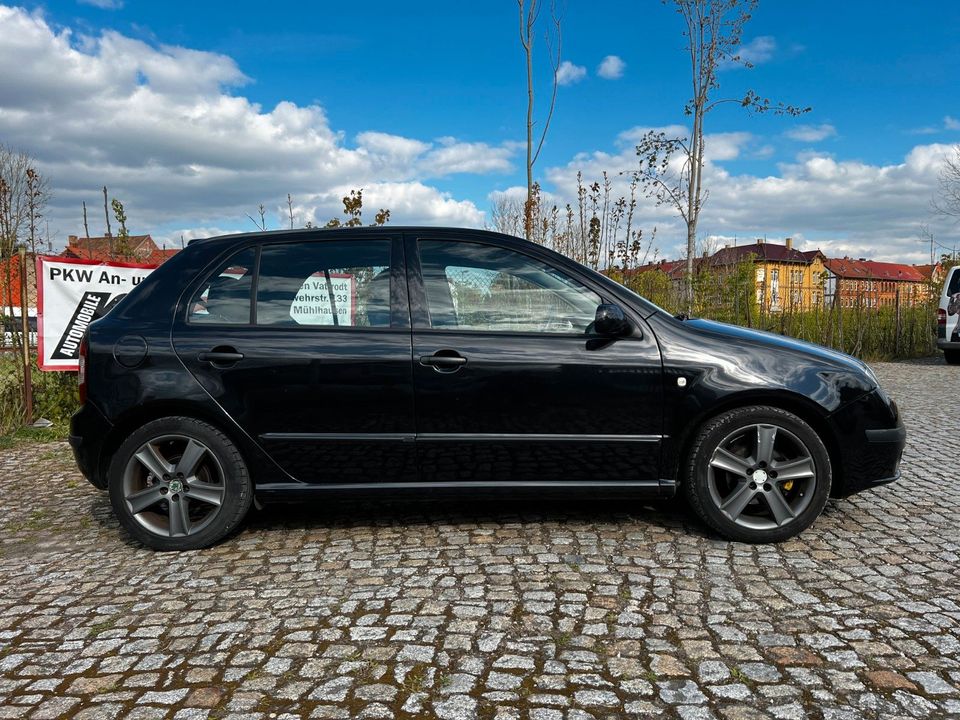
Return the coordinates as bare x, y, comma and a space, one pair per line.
293, 492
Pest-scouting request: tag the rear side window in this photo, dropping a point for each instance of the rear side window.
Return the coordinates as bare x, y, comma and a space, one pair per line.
954, 282
342, 284
224, 297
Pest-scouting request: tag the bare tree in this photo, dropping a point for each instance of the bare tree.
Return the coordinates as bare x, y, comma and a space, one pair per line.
947, 200
713, 30
13, 198
529, 13
508, 215
290, 209
262, 212
106, 214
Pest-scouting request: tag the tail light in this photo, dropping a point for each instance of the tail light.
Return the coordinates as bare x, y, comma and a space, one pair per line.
82, 371
941, 317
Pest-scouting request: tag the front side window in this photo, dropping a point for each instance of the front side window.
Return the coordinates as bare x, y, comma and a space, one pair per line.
224, 297
340, 283
471, 286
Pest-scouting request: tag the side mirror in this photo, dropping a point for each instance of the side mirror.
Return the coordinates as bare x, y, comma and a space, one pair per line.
610, 321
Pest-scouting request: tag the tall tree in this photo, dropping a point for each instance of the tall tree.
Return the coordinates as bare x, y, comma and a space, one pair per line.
529, 11
671, 168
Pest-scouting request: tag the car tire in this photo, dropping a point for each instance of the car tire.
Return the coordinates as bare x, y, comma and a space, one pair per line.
952, 357
757, 474
178, 483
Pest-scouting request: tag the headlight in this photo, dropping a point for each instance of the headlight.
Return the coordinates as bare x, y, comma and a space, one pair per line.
870, 374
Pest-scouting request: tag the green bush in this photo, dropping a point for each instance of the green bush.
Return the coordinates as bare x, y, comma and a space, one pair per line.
870, 333
54, 395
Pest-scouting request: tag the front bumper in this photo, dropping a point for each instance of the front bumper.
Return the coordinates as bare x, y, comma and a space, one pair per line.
88, 428
872, 437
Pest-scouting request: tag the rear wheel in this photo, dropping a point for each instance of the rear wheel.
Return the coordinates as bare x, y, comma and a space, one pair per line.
179, 484
952, 357
758, 474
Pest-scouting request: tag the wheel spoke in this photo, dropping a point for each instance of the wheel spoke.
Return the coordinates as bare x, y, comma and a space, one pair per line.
205, 492
140, 501
735, 503
179, 517
782, 512
766, 437
152, 460
723, 459
795, 469
192, 455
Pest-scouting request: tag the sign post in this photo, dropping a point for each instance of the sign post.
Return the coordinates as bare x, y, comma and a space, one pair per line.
25, 339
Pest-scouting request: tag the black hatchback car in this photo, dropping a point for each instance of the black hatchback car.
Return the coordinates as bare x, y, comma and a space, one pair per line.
286, 365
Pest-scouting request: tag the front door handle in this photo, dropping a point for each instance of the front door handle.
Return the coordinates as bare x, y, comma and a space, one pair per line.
217, 356
444, 361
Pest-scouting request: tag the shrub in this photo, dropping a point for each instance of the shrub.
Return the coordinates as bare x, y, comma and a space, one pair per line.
54, 394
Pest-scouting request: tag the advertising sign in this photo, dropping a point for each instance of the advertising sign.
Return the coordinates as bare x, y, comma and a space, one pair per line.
316, 302
72, 294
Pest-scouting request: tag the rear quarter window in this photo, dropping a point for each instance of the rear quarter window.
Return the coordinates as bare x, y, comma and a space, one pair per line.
953, 282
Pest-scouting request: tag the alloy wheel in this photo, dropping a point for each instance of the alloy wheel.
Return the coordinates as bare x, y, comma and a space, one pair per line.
762, 476
173, 485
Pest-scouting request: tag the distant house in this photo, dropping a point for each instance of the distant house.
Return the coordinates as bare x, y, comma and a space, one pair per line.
10, 305
10, 286
139, 249
868, 283
785, 278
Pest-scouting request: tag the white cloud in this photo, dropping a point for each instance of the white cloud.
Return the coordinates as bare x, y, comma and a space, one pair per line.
811, 133
161, 127
611, 68
951, 123
758, 51
414, 202
568, 73
845, 207
103, 4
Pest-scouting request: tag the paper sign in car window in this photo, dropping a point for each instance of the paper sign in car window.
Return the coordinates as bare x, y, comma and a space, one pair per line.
313, 306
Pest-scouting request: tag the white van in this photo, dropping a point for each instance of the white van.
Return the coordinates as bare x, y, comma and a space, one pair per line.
948, 326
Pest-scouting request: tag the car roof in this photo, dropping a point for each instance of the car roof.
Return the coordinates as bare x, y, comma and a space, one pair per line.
357, 230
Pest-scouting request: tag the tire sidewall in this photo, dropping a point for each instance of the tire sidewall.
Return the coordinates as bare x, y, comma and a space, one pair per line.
714, 432
238, 493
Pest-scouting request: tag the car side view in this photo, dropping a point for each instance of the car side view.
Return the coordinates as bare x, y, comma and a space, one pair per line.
287, 365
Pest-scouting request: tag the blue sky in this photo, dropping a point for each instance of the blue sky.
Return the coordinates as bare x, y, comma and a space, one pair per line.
881, 79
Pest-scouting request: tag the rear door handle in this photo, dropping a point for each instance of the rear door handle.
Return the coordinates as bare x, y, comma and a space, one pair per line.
220, 357
444, 361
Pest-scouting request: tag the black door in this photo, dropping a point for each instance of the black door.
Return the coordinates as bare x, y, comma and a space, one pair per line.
512, 385
317, 368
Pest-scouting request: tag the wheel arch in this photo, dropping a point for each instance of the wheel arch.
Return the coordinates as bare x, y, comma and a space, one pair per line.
799, 405
139, 416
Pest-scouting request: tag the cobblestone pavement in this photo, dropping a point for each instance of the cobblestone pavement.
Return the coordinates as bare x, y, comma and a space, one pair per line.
510, 608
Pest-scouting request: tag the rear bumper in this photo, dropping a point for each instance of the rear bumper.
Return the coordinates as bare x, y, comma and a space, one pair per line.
872, 438
88, 428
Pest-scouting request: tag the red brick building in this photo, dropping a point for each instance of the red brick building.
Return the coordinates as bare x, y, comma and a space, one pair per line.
868, 283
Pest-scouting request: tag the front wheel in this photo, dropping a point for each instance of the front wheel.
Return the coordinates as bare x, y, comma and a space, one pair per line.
952, 357
758, 474
179, 484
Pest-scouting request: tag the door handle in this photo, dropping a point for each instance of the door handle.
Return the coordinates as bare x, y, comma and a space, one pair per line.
220, 357
444, 361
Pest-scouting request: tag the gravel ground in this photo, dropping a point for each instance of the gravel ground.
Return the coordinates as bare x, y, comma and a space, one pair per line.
496, 608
